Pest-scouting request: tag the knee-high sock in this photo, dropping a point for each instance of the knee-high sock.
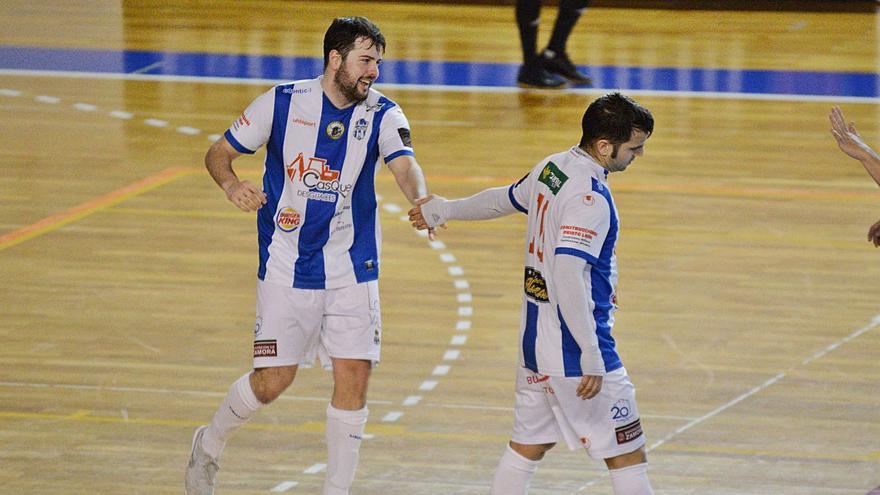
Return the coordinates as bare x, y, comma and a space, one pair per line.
345, 429
528, 16
632, 480
569, 13
237, 408
513, 474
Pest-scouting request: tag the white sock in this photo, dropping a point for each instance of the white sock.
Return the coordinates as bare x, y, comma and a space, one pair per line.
513, 474
237, 408
345, 429
632, 480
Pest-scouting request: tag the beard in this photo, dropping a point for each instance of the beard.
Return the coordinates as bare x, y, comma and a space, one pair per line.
348, 85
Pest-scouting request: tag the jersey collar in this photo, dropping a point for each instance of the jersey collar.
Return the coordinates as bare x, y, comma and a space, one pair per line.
582, 156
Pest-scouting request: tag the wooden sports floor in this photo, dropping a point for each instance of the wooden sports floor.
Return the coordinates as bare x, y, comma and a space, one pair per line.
749, 306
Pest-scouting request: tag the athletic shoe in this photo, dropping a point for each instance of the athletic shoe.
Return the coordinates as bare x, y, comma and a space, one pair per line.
202, 468
559, 63
533, 75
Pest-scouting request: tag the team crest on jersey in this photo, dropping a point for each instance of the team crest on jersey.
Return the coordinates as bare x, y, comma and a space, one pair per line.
288, 219
360, 129
335, 129
552, 177
534, 285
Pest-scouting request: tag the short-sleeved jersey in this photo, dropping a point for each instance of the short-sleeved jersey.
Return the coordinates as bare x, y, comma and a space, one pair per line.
571, 213
319, 228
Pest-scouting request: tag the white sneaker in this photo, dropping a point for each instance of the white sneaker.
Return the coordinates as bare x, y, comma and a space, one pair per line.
202, 468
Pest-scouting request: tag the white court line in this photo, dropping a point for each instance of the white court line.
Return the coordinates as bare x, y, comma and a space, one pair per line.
412, 400
875, 321
461, 284
392, 417
315, 468
463, 325
391, 208
435, 244
119, 114
465, 311
464, 297
284, 486
447, 258
47, 99
156, 122
452, 89
85, 107
189, 131
455, 271
441, 370
213, 137
428, 385
451, 355
9, 92
458, 340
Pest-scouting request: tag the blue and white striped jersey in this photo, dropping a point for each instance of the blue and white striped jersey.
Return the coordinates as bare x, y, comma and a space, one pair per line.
571, 213
319, 228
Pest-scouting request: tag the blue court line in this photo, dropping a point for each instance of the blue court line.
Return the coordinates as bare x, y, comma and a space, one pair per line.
441, 73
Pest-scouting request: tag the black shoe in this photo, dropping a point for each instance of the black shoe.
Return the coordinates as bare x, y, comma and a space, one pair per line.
533, 75
559, 63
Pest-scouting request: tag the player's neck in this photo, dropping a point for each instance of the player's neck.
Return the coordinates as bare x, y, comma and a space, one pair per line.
336, 97
594, 155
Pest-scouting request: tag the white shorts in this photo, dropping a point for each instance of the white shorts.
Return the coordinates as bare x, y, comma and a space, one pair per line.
296, 325
548, 410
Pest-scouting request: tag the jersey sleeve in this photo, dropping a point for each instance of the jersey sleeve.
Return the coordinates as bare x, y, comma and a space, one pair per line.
252, 128
394, 135
519, 193
584, 223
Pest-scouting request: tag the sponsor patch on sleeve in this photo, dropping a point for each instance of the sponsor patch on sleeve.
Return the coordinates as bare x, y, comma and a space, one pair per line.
628, 433
405, 136
574, 234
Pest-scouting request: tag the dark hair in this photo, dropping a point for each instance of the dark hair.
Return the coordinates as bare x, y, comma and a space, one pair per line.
613, 117
344, 31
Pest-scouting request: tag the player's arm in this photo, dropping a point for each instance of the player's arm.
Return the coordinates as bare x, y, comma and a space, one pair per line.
572, 297
851, 143
486, 204
243, 194
409, 176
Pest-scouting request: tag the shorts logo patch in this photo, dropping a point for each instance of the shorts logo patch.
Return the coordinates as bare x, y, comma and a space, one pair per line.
265, 348
628, 433
621, 411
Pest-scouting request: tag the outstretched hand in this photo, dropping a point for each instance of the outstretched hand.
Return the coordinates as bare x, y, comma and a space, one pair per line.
847, 137
417, 217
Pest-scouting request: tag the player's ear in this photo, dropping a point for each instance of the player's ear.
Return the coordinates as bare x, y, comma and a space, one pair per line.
604, 148
334, 60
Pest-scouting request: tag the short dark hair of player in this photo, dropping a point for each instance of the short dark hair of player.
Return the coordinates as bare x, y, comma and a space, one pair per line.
344, 31
613, 117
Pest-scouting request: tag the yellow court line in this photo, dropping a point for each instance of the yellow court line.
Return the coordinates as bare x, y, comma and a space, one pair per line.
70, 215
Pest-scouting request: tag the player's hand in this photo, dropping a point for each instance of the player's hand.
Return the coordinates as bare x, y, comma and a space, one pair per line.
874, 234
245, 195
590, 386
417, 218
847, 137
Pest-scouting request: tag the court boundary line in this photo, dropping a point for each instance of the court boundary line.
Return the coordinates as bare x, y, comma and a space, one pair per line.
452, 88
75, 213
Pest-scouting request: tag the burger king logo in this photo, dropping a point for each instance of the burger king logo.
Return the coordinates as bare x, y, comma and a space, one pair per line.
288, 219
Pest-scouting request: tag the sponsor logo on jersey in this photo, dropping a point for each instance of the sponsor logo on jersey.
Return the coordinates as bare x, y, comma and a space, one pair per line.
317, 176
360, 129
375, 108
298, 91
265, 348
628, 433
242, 121
589, 200
335, 129
552, 177
580, 236
288, 219
535, 286
306, 123
405, 136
